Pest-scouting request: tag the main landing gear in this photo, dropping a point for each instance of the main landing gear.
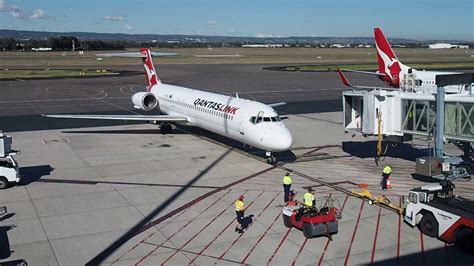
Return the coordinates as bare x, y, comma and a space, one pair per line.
166, 128
271, 159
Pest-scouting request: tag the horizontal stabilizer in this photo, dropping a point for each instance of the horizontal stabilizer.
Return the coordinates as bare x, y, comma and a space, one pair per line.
158, 118
135, 54
364, 72
276, 104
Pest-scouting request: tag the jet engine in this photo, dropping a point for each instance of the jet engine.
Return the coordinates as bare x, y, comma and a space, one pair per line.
144, 101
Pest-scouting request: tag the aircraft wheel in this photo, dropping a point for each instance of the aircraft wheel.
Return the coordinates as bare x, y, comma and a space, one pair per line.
271, 159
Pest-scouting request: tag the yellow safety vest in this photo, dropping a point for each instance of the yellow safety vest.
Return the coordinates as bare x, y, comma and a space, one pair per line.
239, 205
308, 199
287, 180
387, 170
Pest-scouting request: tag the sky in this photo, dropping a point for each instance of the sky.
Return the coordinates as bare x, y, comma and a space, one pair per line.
420, 20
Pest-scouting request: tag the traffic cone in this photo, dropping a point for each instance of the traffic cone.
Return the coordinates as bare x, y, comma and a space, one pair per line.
389, 185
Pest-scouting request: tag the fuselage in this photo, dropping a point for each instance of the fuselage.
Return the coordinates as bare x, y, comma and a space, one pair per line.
247, 121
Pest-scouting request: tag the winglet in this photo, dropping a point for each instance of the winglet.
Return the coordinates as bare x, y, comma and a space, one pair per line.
343, 78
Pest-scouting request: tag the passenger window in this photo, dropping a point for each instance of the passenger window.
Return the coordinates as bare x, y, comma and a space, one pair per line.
267, 119
273, 119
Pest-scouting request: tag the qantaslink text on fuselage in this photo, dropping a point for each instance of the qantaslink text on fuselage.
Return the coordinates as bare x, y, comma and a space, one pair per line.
216, 106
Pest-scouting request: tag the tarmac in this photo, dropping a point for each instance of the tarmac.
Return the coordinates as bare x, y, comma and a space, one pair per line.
122, 194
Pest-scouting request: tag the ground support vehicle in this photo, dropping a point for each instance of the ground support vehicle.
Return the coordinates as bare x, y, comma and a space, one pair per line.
439, 213
9, 173
313, 222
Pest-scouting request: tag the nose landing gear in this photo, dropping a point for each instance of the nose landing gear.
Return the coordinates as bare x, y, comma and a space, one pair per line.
271, 159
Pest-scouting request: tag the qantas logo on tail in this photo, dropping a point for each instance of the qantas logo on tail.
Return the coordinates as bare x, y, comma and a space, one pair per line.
388, 62
150, 72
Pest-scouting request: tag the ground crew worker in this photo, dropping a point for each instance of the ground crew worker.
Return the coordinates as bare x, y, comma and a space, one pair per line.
387, 171
287, 186
309, 198
239, 210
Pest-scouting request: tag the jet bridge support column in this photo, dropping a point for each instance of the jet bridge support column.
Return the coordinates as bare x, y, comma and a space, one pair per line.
439, 146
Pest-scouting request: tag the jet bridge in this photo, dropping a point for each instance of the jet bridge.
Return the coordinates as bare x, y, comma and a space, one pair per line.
398, 114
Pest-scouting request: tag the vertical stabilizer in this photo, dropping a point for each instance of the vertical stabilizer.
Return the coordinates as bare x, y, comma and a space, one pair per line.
388, 61
150, 72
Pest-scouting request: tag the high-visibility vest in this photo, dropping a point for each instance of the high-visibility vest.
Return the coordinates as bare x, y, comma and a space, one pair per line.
287, 180
387, 169
308, 199
239, 205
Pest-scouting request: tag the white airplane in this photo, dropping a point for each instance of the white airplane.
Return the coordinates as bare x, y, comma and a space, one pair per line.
394, 73
249, 122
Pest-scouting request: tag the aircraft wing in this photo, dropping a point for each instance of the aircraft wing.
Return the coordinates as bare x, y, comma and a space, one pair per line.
363, 72
157, 118
135, 54
276, 104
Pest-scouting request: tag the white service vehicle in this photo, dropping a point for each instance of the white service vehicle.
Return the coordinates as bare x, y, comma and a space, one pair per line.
439, 213
9, 173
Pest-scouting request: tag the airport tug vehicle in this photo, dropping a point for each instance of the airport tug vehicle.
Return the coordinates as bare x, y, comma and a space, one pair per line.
9, 173
439, 213
313, 222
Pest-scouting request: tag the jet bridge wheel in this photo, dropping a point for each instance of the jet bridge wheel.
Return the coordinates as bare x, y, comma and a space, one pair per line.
428, 225
166, 129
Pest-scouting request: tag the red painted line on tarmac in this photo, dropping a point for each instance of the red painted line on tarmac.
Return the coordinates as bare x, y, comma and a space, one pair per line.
354, 234
200, 231
279, 245
299, 252
147, 237
221, 232
179, 230
329, 241
375, 237
261, 237
422, 244
399, 233
240, 235
200, 198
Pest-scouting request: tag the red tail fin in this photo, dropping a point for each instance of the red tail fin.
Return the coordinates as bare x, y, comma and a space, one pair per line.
343, 78
150, 72
388, 62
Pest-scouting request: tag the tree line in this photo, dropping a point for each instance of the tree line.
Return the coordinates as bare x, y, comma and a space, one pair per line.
62, 43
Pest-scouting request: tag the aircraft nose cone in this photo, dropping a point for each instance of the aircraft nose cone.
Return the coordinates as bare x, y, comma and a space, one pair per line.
283, 141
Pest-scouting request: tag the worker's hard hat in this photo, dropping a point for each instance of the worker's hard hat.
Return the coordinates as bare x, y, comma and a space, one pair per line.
241, 197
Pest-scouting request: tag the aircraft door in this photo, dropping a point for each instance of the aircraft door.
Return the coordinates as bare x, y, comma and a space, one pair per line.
241, 126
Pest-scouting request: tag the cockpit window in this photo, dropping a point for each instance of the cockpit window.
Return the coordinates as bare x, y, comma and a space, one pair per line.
258, 119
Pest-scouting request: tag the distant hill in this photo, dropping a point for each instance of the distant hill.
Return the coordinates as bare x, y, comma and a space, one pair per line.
87, 36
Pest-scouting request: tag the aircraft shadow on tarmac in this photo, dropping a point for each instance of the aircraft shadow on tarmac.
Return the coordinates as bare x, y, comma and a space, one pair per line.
5, 251
287, 156
148, 221
32, 174
368, 149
